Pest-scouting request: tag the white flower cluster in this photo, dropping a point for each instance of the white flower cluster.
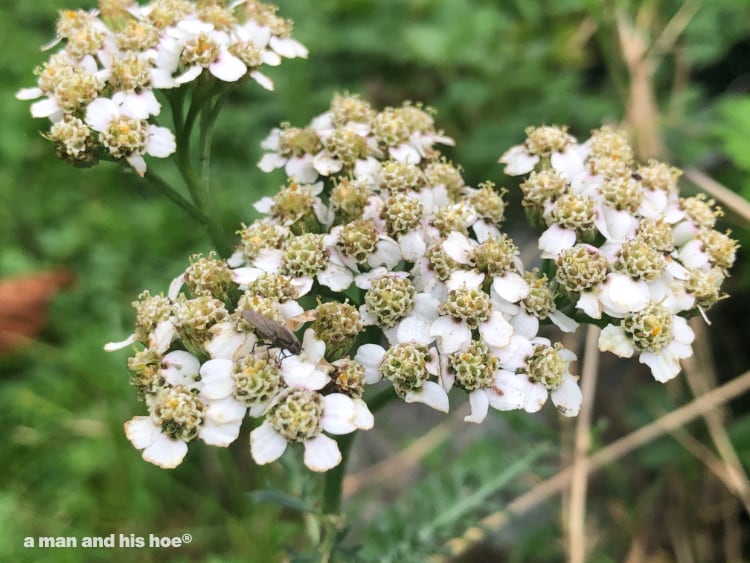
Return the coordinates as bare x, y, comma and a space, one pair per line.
628, 252
98, 88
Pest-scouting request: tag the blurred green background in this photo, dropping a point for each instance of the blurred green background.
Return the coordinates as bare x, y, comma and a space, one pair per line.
490, 68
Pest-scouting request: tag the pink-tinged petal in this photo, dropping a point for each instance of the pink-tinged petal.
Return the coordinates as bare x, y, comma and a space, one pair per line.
161, 142
180, 368
535, 395
479, 406
496, 331
326, 165
692, 255
100, 112
220, 435
405, 153
363, 418
163, 335
46, 107
664, 366
511, 287
226, 411
684, 232
321, 453
563, 321
301, 169
432, 395
216, 379
451, 335
507, 391
613, 339
227, 67
141, 431
556, 239
370, 356
29, 93
653, 204
339, 415
262, 80
458, 247
189, 75
287, 47
266, 445
518, 161
567, 398
112, 346
270, 162
137, 163
165, 452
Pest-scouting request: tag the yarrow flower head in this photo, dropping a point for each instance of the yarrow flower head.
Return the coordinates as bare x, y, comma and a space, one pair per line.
98, 88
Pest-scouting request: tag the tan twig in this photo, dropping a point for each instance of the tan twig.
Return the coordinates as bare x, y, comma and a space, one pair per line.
602, 458
729, 199
701, 376
674, 28
579, 479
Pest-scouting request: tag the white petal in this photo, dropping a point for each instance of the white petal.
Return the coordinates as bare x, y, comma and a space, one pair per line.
404, 153
46, 107
162, 336
29, 93
556, 239
321, 453
100, 112
479, 406
569, 163
269, 260
458, 247
227, 67
513, 356
338, 278
370, 356
141, 431
468, 279
412, 245
663, 366
431, 394
226, 411
180, 368
567, 398
388, 252
141, 106
216, 379
165, 452
189, 75
511, 287
262, 79
175, 286
535, 395
112, 346
288, 47
301, 169
268, 163
507, 391
525, 324
161, 142
616, 225
413, 329
621, 295
220, 435
496, 331
137, 163
518, 161
266, 445
228, 343
451, 335
326, 165
563, 321
613, 339
339, 415
589, 304
364, 420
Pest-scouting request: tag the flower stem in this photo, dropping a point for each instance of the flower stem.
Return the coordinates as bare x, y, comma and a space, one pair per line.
157, 182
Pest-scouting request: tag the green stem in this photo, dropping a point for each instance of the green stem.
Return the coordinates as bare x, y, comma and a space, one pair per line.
157, 182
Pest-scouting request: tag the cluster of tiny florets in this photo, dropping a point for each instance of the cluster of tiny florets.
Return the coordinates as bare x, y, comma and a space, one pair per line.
98, 89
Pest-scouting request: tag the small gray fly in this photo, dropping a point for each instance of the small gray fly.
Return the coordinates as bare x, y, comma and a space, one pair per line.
273, 332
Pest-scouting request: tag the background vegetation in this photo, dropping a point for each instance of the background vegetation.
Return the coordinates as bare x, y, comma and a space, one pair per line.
677, 74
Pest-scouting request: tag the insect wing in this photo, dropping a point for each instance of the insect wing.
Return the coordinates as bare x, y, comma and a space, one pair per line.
272, 331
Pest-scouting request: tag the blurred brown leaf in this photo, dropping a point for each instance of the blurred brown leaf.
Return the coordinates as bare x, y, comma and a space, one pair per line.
23, 305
